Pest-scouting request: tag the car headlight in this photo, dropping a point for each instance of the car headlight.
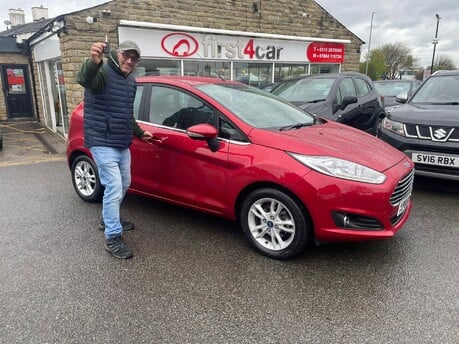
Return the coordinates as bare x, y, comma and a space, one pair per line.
393, 126
389, 109
340, 168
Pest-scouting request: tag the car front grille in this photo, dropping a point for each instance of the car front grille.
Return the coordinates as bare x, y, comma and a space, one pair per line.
432, 133
403, 189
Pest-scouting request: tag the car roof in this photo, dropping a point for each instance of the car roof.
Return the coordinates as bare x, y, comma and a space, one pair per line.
395, 80
324, 75
445, 72
188, 80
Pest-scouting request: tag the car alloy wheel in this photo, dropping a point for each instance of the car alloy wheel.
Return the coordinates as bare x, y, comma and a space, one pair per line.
85, 179
274, 223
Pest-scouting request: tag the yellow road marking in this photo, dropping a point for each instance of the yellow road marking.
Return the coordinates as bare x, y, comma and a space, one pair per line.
31, 162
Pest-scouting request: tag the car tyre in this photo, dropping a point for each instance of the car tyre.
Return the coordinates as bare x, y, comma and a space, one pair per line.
274, 223
85, 179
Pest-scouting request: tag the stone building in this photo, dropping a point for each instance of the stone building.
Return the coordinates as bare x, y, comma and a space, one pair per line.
256, 42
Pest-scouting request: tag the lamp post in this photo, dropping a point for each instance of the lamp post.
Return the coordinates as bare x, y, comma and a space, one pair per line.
435, 42
369, 42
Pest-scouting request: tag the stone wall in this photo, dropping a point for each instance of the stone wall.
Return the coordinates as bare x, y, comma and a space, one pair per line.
285, 17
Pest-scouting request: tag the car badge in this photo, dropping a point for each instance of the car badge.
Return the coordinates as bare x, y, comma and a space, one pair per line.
440, 133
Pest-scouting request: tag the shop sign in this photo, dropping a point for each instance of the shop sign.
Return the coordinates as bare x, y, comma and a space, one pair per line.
325, 52
184, 45
181, 44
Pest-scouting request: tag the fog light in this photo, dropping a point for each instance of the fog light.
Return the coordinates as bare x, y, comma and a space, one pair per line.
356, 222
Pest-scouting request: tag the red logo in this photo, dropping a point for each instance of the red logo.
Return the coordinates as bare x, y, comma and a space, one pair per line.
325, 52
179, 44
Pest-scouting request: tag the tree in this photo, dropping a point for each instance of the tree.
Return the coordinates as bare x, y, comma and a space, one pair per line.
376, 65
444, 62
397, 56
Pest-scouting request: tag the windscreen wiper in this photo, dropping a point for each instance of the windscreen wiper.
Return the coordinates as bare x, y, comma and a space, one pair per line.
316, 101
296, 126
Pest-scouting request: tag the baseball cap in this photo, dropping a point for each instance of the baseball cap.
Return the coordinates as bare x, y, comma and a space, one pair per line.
129, 45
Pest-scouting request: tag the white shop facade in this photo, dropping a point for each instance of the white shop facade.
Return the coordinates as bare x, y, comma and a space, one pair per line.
254, 58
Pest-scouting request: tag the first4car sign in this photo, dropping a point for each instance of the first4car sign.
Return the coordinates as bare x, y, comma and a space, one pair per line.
178, 44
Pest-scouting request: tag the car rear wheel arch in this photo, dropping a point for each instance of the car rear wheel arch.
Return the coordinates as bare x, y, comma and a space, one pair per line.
263, 196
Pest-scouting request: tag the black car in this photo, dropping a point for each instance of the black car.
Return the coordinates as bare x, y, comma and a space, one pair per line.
390, 89
349, 98
426, 127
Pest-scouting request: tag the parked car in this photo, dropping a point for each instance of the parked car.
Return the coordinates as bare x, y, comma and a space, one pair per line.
349, 98
426, 127
232, 150
390, 89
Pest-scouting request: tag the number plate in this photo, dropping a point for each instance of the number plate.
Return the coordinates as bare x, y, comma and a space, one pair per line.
435, 159
402, 205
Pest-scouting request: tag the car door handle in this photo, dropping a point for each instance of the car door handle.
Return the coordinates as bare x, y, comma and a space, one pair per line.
155, 139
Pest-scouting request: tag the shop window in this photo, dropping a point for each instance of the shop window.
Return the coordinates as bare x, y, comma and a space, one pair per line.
324, 68
254, 74
158, 67
216, 69
284, 70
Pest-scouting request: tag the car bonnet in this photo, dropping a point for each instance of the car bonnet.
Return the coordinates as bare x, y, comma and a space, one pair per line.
332, 139
427, 114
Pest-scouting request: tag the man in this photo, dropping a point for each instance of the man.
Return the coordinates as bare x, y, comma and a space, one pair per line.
109, 126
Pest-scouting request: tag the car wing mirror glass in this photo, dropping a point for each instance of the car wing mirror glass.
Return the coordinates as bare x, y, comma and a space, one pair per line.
402, 97
205, 132
348, 100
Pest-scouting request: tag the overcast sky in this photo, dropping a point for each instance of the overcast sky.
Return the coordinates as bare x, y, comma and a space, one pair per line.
411, 22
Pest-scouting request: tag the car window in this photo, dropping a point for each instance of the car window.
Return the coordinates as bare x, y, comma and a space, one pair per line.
256, 107
175, 108
137, 100
438, 89
305, 90
363, 88
346, 89
392, 88
228, 131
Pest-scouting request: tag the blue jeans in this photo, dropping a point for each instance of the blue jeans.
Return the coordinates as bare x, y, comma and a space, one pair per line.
114, 166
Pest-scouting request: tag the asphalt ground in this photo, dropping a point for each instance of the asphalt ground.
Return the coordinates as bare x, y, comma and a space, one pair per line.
193, 279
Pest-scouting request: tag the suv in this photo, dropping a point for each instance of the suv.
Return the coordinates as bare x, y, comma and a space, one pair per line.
426, 127
349, 98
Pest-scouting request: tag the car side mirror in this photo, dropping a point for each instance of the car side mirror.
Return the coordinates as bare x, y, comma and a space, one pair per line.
348, 100
205, 132
402, 97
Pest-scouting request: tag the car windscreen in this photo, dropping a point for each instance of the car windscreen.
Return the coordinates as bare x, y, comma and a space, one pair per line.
307, 90
256, 107
392, 88
442, 89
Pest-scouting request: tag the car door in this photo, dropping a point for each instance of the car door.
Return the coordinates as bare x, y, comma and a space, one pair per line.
347, 114
173, 166
368, 106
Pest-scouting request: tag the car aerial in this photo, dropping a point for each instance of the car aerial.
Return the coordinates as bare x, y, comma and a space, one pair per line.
390, 89
287, 177
349, 98
426, 127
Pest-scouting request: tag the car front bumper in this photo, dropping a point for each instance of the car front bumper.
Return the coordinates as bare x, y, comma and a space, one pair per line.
431, 159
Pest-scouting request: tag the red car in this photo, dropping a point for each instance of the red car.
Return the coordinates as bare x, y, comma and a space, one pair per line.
287, 177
